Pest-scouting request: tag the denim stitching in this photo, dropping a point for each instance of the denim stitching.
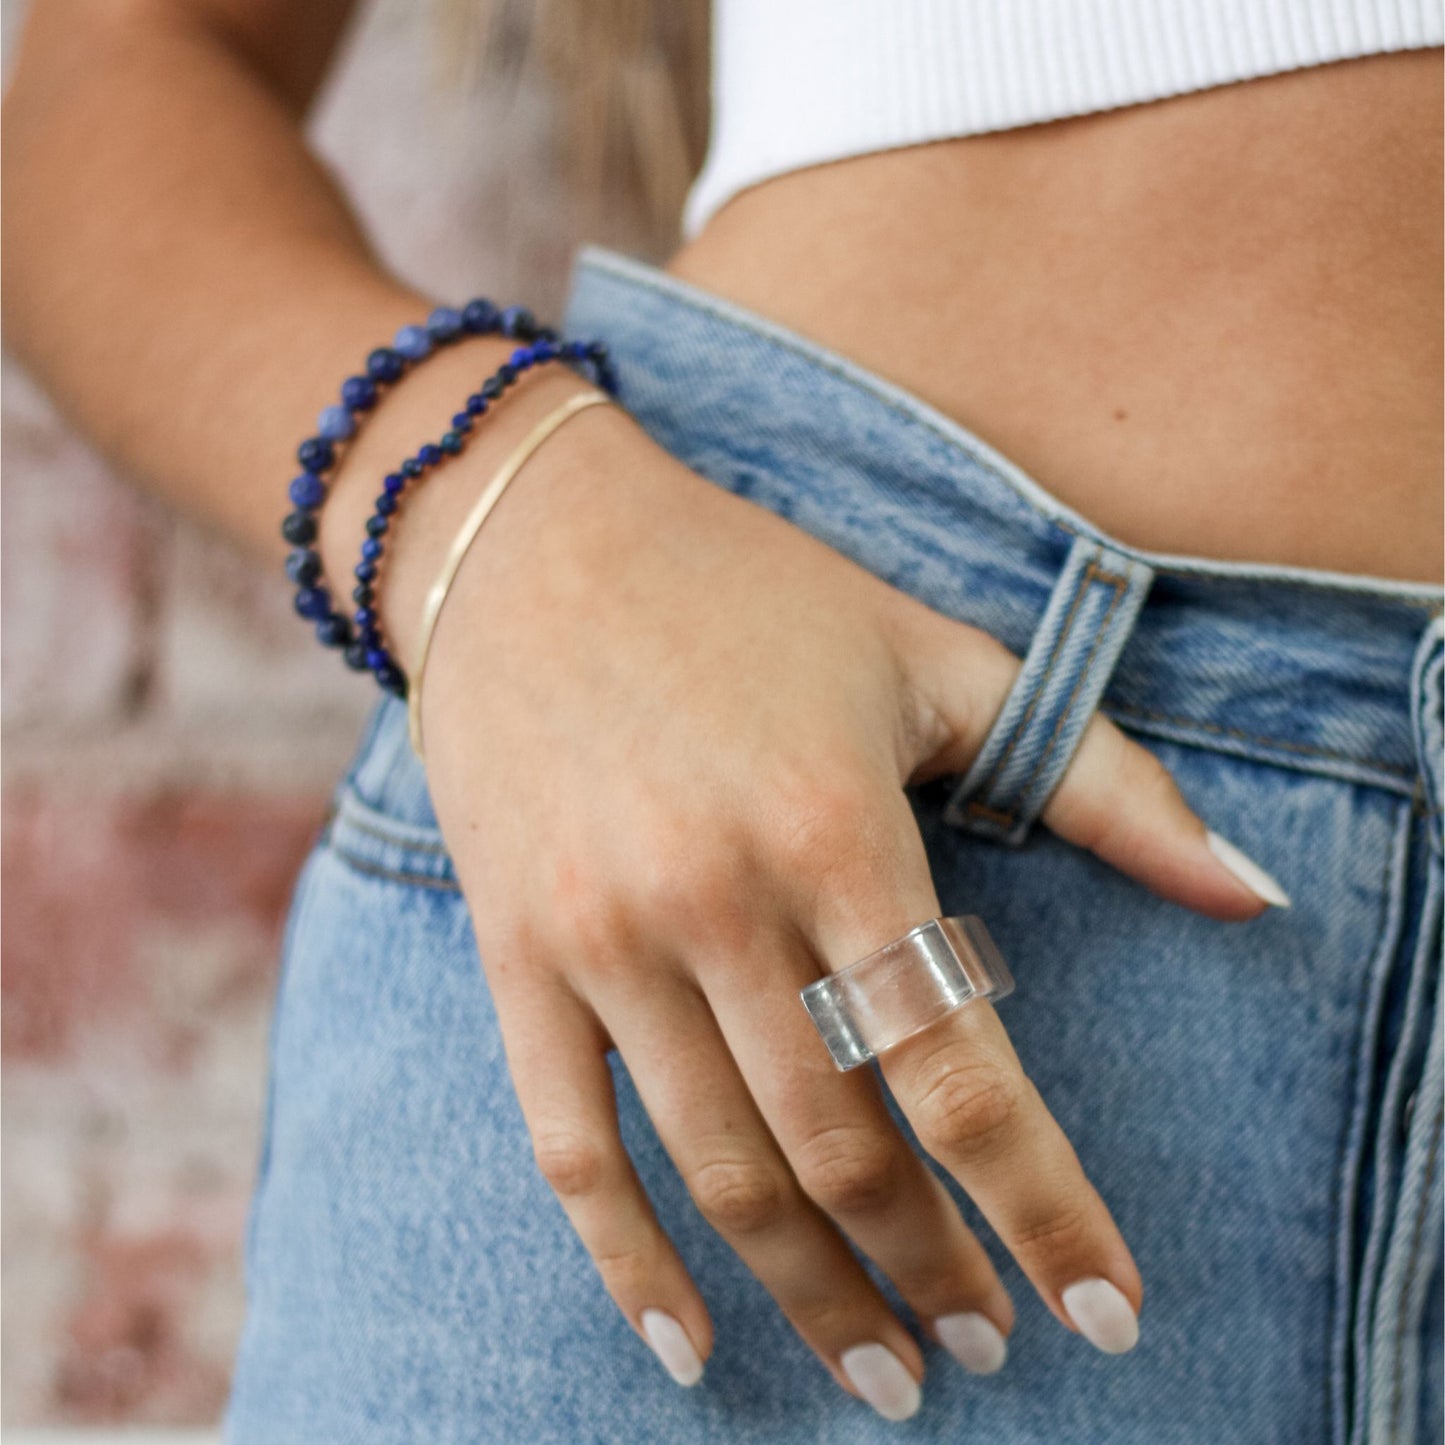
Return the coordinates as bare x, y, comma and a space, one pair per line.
1078, 684
397, 839
1304, 748
1060, 638
1427, 1192
1387, 939
826, 362
395, 875
1119, 584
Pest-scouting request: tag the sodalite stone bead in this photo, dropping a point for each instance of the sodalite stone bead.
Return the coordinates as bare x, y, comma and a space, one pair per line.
308, 491
336, 424
384, 364
413, 342
358, 393
444, 324
316, 454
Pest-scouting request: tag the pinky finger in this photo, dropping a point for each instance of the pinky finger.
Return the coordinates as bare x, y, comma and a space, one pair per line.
557, 1054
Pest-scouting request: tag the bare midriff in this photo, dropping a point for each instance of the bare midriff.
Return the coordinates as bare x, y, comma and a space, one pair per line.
1211, 324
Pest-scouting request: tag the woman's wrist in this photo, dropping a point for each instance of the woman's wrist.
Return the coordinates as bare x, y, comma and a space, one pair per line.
416, 410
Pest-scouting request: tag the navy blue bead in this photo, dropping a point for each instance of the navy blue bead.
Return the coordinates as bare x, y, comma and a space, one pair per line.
307, 491
479, 316
576, 348
428, 454
444, 324
519, 322
361, 594
547, 334
378, 657
359, 393
369, 637
451, 443
608, 381
413, 343
372, 548
384, 364
298, 528
333, 631
596, 351
336, 424
315, 454
376, 526
355, 656
303, 566
363, 617
386, 504
394, 483
391, 679
365, 571
313, 602
411, 467
506, 373
461, 422
544, 350
491, 389
521, 358
477, 404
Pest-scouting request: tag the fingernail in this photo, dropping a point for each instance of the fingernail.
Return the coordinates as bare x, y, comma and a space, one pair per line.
1103, 1316
974, 1341
671, 1345
1247, 871
879, 1376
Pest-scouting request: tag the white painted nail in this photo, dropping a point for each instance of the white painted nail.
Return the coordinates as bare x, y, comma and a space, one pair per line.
974, 1341
1104, 1317
1247, 871
671, 1345
879, 1376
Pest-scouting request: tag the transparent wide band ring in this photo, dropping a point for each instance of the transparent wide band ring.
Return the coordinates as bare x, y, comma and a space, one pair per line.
904, 987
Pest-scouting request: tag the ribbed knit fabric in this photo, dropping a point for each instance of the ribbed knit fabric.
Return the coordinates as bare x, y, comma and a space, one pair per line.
797, 82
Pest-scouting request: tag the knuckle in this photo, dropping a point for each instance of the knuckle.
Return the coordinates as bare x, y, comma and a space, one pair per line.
573, 1166
629, 1266
596, 923
1063, 1233
971, 1110
849, 1170
699, 890
737, 1196
817, 819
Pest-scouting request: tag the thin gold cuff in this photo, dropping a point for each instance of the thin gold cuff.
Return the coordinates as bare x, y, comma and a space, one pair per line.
437, 595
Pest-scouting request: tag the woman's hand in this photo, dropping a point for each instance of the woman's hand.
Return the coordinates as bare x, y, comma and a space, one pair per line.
667, 738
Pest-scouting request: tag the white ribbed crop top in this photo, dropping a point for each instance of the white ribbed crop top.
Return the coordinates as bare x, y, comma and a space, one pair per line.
798, 82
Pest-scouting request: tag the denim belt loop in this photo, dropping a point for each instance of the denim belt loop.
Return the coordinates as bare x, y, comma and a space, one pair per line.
1084, 628
1427, 713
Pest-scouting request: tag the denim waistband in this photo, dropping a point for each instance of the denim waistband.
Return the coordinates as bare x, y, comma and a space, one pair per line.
1292, 666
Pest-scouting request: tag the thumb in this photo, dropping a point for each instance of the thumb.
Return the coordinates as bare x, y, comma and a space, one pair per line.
1116, 798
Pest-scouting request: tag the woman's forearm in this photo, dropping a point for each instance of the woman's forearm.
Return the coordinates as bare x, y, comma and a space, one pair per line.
181, 273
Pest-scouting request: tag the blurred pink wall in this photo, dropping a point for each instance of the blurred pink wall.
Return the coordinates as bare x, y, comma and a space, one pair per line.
171, 734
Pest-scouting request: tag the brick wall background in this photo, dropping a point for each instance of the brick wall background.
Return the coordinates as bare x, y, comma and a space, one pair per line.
171, 734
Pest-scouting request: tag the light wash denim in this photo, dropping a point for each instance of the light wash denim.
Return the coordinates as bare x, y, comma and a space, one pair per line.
1260, 1104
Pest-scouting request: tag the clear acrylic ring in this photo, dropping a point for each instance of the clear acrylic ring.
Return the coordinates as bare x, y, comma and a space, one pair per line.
906, 985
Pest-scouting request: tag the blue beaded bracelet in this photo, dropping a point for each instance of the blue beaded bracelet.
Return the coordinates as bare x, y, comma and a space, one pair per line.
368, 648
338, 424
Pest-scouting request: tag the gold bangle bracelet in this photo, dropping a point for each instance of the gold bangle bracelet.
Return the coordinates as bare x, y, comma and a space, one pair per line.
437, 595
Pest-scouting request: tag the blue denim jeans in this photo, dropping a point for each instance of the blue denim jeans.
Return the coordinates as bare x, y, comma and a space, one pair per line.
1260, 1104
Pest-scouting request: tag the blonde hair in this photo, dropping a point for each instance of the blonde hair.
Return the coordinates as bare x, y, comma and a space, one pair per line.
631, 82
